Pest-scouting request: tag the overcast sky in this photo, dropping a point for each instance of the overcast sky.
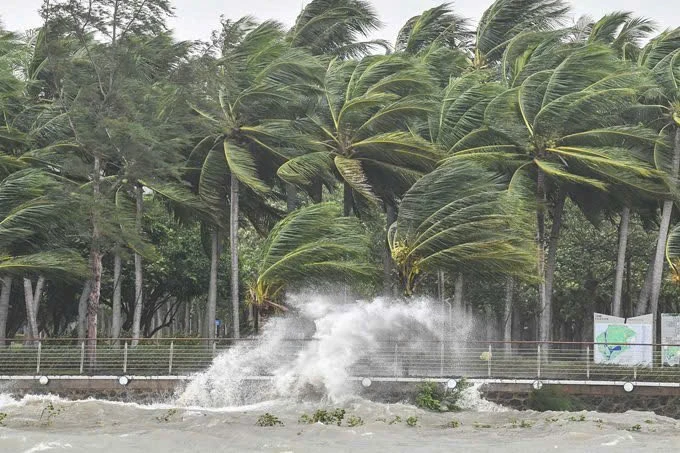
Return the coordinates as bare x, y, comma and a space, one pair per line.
195, 18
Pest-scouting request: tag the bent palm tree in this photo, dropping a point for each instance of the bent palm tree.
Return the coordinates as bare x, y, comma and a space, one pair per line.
313, 245
255, 79
561, 128
460, 217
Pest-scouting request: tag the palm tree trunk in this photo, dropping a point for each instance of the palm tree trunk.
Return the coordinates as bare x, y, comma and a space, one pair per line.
621, 261
347, 201
82, 309
388, 265
664, 226
642, 305
211, 309
116, 315
551, 262
233, 238
5, 292
544, 304
139, 277
32, 300
507, 318
95, 267
291, 197
440, 285
458, 302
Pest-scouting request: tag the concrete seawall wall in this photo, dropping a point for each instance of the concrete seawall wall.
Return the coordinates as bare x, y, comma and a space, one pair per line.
602, 398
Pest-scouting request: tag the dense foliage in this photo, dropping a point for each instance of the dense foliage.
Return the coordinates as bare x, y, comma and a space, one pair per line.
527, 168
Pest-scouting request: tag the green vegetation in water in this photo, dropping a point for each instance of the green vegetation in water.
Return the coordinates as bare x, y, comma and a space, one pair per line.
635, 428
268, 419
453, 424
50, 411
481, 425
3, 416
412, 421
167, 416
550, 398
323, 416
521, 424
353, 421
552, 419
649, 422
396, 419
580, 418
434, 397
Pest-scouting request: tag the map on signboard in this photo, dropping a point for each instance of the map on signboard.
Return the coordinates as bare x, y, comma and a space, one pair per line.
620, 341
609, 341
670, 337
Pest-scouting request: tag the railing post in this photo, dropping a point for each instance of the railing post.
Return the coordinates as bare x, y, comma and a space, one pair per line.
588, 362
538, 361
37, 365
172, 347
125, 352
488, 363
441, 358
396, 350
82, 356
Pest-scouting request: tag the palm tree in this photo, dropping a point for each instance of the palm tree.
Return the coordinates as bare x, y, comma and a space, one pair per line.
360, 131
624, 33
312, 245
460, 217
661, 57
336, 28
255, 79
560, 128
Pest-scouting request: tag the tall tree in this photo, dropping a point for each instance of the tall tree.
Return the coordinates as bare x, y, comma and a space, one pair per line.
255, 77
661, 57
560, 127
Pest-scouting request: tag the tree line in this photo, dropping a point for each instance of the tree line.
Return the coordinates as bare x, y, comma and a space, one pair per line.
504, 162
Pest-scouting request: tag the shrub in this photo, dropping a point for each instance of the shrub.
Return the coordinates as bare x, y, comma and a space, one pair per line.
434, 397
453, 424
268, 420
323, 416
549, 398
353, 421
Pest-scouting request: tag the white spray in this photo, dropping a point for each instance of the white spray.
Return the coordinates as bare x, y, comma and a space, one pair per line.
314, 352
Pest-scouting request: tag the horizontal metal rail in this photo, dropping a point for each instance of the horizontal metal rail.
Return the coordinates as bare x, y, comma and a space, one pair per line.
392, 360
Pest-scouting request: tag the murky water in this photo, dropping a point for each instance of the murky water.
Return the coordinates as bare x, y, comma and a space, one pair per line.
36, 424
218, 410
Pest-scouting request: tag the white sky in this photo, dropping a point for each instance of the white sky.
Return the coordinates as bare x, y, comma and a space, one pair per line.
196, 18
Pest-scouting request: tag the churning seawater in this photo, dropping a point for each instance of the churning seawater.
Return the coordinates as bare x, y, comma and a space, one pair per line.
217, 410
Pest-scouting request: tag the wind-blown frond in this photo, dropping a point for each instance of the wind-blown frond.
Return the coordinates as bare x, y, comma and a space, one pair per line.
313, 245
459, 217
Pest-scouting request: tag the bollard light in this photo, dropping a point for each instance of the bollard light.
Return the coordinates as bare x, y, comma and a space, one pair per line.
123, 380
43, 380
451, 384
628, 387
537, 385
366, 382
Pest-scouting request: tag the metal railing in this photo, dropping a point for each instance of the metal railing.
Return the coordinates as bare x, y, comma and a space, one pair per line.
384, 359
